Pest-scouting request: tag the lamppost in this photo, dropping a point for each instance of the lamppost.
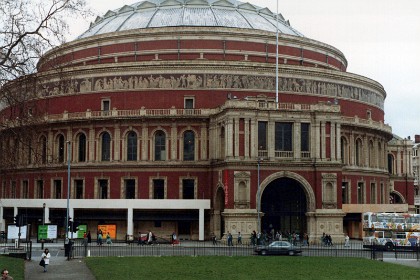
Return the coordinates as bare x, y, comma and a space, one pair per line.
43, 224
68, 189
258, 196
43, 213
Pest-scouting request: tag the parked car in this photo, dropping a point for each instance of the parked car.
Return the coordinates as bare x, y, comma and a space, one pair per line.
277, 248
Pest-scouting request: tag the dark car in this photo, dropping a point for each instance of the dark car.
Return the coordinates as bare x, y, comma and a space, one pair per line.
277, 248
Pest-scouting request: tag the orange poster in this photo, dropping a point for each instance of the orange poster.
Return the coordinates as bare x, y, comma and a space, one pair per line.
112, 229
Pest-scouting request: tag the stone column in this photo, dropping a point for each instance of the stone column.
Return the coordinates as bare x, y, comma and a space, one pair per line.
201, 224
316, 141
338, 141
117, 142
90, 144
323, 139
333, 142
144, 143
270, 139
296, 141
51, 147
246, 138
254, 139
229, 138
352, 154
174, 132
130, 224
236, 135
74, 149
203, 142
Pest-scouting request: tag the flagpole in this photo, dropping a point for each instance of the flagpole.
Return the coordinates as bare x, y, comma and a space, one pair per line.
277, 56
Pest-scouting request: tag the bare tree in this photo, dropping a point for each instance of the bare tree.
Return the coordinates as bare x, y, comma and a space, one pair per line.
28, 29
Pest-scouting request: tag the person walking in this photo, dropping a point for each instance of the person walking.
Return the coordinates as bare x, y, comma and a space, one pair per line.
99, 241
213, 238
239, 238
89, 237
229, 239
347, 241
5, 275
85, 239
46, 257
108, 239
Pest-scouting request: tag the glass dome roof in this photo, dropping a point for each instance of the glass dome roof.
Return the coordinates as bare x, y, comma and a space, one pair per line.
170, 13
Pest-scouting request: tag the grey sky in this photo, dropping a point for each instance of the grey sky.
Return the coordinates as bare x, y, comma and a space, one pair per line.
380, 39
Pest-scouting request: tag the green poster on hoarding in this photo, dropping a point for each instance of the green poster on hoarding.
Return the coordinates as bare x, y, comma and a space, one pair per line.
81, 230
42, 232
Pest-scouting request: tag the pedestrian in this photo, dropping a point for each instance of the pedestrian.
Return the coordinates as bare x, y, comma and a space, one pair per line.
99, 241
139, 240
305, 239
108, 239
5, 275
150, 238
239, 238
173, 238
347, 241
213, 238
89, 237
229, 239
46, 257
254, 238
85, 239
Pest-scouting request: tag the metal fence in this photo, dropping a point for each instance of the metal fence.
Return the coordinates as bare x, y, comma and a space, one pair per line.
21, 250
197, 248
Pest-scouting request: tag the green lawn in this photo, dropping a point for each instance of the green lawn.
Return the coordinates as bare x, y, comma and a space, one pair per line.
14, 266
232, 268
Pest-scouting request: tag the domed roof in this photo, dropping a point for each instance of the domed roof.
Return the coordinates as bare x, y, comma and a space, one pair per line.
166, 13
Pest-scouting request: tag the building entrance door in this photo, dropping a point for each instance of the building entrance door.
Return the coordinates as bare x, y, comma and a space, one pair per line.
284, 205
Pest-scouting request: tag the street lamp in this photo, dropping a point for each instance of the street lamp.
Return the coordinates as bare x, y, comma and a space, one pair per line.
258, 196
43, 224
68, 189
43, 213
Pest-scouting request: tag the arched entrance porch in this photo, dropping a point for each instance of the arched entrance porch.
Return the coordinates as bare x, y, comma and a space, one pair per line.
286, 198
219, 208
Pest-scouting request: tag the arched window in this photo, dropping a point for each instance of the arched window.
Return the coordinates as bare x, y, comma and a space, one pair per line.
132, 146
189, 145
43, 150
390, 164
358, 152
344, 151
81, 145
106, 147
60, 151
160, 145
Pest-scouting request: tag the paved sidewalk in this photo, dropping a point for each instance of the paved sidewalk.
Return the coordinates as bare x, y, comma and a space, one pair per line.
59, 267
406, 262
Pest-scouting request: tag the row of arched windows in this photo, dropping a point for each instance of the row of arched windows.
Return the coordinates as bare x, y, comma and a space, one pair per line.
131, 148
374, 157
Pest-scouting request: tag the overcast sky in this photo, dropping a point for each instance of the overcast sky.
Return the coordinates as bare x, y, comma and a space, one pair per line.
380, 39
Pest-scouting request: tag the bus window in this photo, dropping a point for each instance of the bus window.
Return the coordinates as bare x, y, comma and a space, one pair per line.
388, 234
400, 235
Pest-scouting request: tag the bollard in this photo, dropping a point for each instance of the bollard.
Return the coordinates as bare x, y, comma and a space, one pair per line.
88, 253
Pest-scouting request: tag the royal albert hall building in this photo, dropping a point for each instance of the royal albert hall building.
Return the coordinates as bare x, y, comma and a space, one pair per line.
165, 114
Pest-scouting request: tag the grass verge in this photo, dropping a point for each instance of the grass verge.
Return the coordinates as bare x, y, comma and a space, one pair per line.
15, 266
233, 268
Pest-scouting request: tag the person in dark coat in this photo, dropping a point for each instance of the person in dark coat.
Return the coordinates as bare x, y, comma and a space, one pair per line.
89, 237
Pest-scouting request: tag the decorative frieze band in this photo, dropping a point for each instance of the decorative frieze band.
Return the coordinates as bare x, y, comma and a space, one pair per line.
213, 81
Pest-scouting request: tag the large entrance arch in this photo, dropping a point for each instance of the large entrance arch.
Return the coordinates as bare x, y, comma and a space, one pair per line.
218, 209
285, 200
